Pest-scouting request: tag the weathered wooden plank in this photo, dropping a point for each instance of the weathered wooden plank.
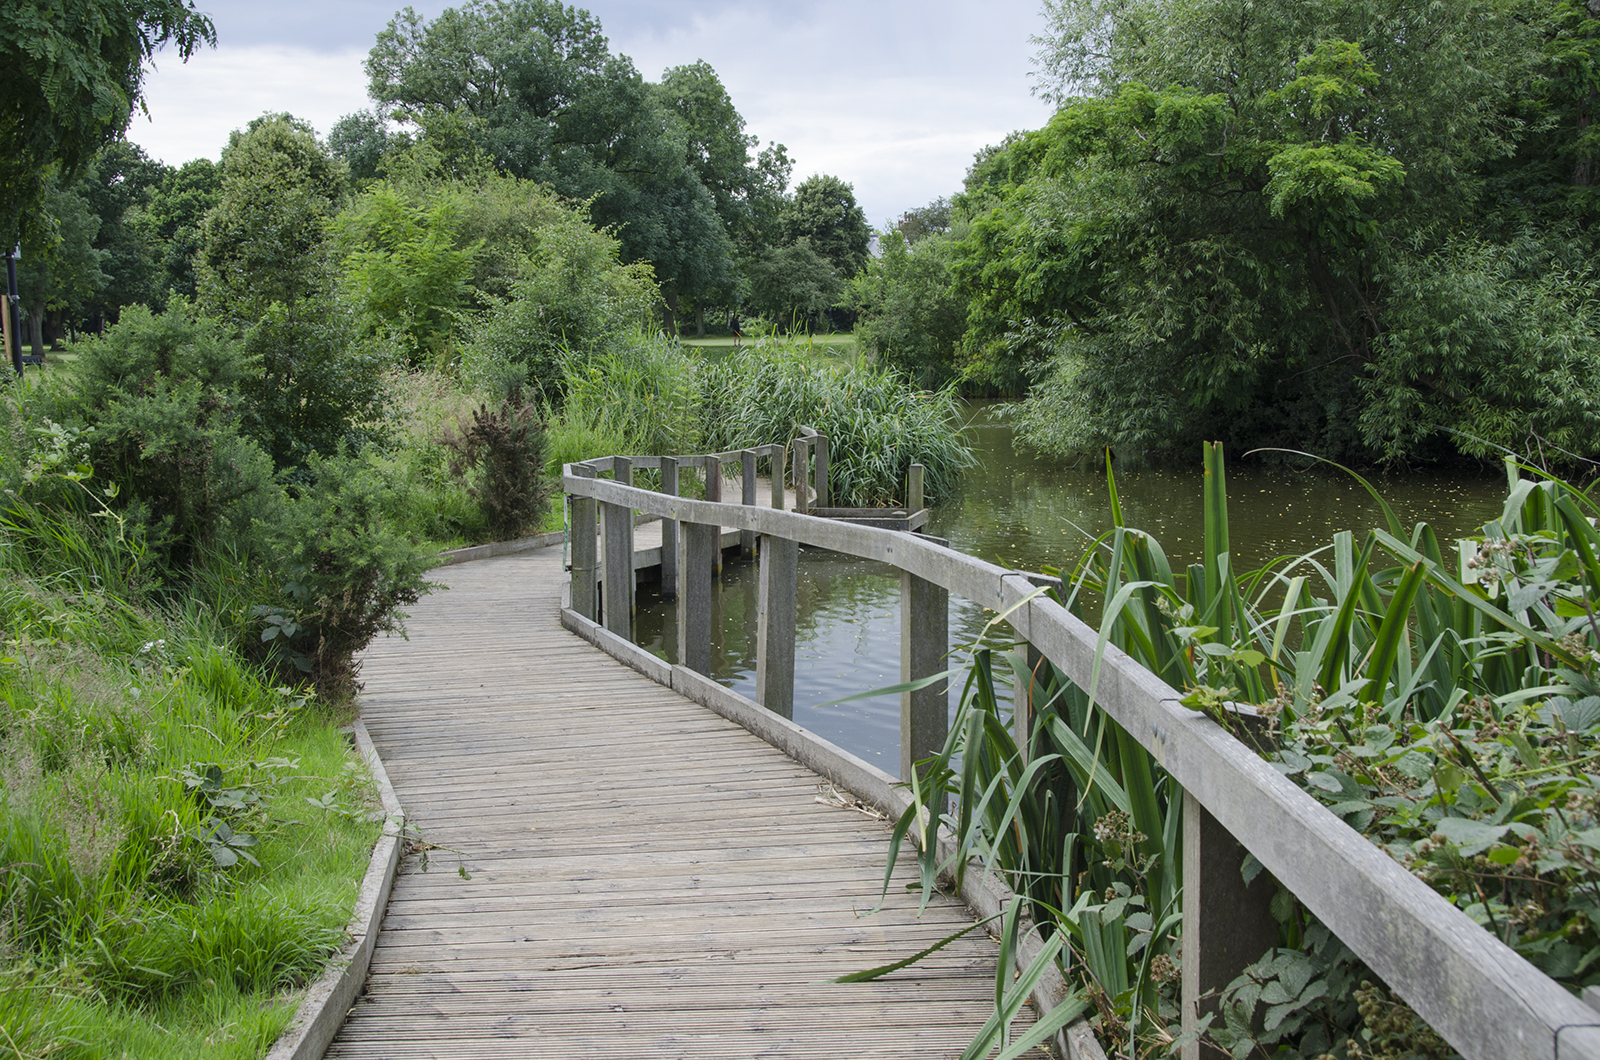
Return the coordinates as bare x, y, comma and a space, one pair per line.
924, 643
775, 625
654, 854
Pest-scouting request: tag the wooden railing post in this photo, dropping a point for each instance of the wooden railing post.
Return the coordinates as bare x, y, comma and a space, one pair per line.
582, 541
669, 531
747, 538
714, 493
820, 476
616, 574
914, 489
924, 642
775, 626
775, 467
802, 470
696, 546
1227, 924
1023, 698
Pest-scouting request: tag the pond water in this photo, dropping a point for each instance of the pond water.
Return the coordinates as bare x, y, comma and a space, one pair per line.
1025, 512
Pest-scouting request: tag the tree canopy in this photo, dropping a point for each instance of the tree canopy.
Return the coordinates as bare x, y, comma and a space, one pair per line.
1364, 227
70, 76
533, 85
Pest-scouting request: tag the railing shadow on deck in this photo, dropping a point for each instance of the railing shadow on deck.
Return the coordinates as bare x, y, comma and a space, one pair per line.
1484, 999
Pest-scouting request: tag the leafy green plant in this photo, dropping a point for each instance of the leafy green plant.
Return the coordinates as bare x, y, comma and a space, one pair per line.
351, 574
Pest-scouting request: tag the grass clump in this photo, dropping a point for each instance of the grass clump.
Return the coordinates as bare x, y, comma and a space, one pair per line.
877, 424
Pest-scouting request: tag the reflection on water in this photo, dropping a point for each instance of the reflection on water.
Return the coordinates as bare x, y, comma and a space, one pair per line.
1024, 512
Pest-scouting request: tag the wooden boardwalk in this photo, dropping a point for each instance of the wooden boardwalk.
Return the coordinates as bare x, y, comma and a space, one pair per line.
647, 879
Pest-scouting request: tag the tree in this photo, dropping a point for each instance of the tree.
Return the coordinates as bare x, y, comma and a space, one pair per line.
267, 269
61, 268
119, 185
263, 242
911, 316
1220, 232
823, 211
70, 76
794, 285
533, 85
173, 222
933, 219
363, 140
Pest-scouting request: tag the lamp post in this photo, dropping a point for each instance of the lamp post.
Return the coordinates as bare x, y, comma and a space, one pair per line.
12, 324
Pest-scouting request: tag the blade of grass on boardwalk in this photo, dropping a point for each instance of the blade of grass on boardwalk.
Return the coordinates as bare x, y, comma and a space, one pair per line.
879, 972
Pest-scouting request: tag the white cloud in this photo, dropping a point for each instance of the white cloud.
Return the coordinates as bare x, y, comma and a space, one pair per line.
195, 105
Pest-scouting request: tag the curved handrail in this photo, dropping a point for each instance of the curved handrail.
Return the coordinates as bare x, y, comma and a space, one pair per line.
1477, 992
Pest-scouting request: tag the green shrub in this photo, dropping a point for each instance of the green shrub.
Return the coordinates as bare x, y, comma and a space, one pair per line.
160, 396
350, 573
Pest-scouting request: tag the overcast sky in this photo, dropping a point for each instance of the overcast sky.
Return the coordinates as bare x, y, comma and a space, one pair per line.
891, 95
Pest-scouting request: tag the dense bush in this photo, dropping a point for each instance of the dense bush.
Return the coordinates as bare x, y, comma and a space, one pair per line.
350, 573
158, 396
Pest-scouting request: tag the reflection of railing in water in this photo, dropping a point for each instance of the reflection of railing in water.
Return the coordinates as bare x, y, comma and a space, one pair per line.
1478, 993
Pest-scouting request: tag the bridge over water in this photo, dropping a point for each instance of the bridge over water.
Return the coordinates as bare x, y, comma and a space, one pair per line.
655, 866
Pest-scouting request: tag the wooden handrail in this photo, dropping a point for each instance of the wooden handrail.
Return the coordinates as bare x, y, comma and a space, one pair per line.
1487, 1001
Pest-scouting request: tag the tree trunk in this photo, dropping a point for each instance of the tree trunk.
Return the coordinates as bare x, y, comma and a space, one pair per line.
669, 313
36, 329
699, 321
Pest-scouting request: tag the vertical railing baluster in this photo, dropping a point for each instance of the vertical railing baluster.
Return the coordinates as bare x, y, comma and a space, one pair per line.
696, 546
714, 493
669, 531
1023, 698
924, 643
820, 475
747, 538
914, 479
802, 470
776, 625
1227, 923
582, 543
618, 572
775, 468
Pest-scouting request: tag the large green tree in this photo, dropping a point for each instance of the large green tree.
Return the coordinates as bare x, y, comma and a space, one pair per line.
533, 85
1254, 220
824, 212
70, 77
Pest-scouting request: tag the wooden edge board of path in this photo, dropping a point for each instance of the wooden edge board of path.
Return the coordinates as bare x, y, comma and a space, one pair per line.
614, 870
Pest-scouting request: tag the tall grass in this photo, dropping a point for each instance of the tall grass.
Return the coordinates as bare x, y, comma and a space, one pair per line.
877, 424
180, 839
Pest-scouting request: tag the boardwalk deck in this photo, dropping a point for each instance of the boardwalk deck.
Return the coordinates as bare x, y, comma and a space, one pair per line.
647, 880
